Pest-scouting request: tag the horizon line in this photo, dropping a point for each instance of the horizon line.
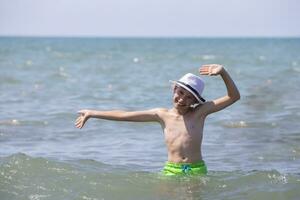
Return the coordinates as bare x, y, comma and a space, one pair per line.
150, 37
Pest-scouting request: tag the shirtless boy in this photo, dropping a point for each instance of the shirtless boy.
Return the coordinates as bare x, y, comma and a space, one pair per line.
183, 124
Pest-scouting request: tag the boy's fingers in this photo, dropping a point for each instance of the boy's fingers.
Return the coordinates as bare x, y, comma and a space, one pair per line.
77, 122
210, 65
78, 119
79, 125
203, 69
204, 73
207, 66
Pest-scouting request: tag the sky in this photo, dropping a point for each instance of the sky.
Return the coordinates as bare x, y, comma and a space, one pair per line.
150, 18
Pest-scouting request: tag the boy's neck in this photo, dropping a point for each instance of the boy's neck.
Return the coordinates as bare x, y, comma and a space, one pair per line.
182, 111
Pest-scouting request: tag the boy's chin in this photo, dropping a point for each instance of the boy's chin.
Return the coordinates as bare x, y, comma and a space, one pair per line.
178, 106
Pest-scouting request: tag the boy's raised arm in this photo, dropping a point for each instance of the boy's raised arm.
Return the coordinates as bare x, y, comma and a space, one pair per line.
118, 115
232, 92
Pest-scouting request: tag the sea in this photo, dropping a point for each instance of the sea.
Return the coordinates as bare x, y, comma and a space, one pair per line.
252, 148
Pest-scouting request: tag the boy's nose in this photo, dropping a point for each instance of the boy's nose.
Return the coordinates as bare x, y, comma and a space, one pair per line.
181, 99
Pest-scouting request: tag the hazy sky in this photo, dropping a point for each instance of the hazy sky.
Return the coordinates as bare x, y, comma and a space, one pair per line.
197, 18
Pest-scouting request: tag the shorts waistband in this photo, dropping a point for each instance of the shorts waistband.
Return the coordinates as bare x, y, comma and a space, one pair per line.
179, 165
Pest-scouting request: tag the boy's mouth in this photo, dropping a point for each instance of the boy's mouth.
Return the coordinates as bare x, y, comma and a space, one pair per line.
181, 104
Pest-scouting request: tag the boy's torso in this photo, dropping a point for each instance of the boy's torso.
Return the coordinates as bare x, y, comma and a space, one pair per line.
183, 136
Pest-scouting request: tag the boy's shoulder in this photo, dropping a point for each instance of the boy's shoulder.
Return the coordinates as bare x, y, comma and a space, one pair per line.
203, 109
161, 110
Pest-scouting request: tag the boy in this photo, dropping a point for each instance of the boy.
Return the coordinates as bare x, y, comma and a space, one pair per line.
183, 124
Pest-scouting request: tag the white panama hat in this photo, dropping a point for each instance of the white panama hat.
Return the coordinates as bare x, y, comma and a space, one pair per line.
192, 83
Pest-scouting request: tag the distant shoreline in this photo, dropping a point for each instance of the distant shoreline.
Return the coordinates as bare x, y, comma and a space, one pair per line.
150, 37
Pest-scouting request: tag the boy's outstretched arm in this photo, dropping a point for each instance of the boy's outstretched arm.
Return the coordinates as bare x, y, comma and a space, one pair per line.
118, 115
233, 93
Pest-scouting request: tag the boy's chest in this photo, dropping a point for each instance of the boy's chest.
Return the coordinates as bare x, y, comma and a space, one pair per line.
183, 128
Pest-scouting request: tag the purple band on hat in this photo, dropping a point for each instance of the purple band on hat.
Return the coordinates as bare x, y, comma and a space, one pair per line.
193, 90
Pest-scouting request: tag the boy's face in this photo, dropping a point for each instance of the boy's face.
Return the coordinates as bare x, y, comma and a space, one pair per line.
182, 98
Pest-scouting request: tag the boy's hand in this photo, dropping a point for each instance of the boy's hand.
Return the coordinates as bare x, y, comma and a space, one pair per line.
84, 116
211, 69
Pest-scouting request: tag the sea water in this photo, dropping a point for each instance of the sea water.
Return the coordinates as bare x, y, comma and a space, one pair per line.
252, 149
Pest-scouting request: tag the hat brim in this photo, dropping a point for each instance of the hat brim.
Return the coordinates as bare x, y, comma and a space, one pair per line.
188, 89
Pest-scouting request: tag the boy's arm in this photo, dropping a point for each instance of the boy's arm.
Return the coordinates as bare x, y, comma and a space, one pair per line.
232, 92
118, 115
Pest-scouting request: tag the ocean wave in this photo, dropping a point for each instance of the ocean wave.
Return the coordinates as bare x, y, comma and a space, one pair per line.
205, 57
16, 122
8, 80
248, 124
23, 177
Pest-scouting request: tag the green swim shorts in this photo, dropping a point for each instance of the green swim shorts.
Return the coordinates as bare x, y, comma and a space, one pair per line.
198, 168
